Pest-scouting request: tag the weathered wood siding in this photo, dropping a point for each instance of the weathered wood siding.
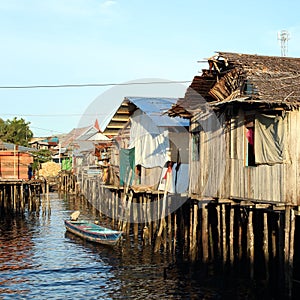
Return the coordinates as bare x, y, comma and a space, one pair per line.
14, 165
219, 174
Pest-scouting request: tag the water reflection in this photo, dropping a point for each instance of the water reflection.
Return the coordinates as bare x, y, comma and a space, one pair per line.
40, 260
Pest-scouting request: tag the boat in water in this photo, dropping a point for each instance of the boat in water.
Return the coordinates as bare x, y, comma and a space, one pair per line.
92, 232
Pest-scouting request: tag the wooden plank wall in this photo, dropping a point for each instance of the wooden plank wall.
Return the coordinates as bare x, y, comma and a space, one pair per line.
14, 165
209, 177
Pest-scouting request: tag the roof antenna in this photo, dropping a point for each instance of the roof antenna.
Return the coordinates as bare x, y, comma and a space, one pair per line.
283, 36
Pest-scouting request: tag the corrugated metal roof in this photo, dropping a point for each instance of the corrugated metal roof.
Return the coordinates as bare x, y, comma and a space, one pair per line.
156, 108
10, 146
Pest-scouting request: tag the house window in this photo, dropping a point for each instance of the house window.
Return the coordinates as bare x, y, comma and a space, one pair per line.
249, 134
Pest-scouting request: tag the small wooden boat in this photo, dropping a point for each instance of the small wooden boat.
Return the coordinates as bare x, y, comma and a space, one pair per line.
93, 232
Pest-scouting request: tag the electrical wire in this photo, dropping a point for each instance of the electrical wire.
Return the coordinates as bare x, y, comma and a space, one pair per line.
90, 85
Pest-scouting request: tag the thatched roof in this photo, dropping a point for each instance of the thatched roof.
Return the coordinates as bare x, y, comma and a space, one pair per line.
265, 80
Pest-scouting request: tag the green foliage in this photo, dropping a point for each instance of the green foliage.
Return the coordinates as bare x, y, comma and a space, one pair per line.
39, 157
15, 131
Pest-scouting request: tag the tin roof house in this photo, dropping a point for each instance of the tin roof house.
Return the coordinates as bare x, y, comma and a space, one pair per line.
244, 132
146, 143
81, 144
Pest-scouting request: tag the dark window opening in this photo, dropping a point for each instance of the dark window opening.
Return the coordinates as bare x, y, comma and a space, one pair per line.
250, 133
138, 174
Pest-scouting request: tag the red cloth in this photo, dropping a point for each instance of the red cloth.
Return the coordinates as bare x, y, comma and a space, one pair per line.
169, 170
250, 136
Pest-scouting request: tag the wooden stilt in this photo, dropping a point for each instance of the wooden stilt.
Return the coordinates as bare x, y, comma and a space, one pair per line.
231, 241
250, 243
291, 254
286, 250
224, 245
194, 235
163, 213
266, 244
135, 219
204, 231
175, 233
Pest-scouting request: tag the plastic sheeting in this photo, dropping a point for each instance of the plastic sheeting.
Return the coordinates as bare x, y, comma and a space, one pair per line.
180, 179
269, 139
149, 140
127, 166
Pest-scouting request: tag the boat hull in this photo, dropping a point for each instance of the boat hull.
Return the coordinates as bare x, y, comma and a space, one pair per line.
92, 232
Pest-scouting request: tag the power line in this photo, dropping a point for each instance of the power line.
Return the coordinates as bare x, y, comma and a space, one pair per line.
89, 85
48, 130
54, 115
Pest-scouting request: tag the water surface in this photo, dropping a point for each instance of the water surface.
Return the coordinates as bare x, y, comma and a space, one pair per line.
40, 260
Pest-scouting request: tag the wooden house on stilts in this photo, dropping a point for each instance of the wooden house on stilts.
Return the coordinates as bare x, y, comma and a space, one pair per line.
245, 159
145, 141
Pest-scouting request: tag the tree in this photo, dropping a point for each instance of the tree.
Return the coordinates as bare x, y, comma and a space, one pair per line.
15, 131
41, 156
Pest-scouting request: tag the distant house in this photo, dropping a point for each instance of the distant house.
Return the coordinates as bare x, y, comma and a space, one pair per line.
84, 146
244, 132
14, 161
146, 143
48, 143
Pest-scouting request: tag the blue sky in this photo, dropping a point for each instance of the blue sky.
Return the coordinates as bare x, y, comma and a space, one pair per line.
53, 42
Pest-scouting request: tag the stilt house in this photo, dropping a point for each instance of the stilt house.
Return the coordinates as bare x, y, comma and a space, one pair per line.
145, 141
14, 161
244, 131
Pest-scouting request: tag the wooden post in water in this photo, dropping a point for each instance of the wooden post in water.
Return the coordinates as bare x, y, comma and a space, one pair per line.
286, 251
194, 235
191, 229
250, 243
22, 197
291, 253
162, 216
204, 231
240, 236
175, 233
135, 219
170, 232
231, 241
266, 244
219, 235
224, 248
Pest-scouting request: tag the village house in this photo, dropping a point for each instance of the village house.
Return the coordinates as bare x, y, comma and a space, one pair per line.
147, 144
15, 161
85, 146
244, 160
244, 113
